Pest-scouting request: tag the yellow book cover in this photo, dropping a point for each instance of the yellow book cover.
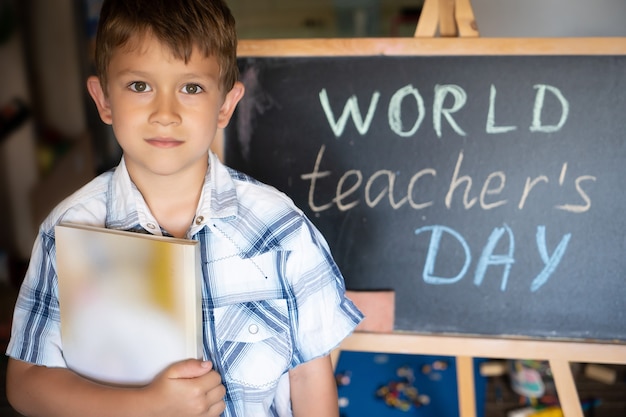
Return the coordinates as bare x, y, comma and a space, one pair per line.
130, 303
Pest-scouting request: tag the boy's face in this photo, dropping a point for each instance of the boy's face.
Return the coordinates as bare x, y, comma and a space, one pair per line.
164, 112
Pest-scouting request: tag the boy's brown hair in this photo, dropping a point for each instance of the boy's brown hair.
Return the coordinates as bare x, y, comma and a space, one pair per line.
181, 25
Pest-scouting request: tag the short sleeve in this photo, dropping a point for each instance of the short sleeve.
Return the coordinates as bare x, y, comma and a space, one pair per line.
325, 315
36, 330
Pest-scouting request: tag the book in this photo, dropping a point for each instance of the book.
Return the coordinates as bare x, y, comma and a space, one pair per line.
130, 303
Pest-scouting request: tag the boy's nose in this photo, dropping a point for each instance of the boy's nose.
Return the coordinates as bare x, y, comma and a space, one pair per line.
165, 110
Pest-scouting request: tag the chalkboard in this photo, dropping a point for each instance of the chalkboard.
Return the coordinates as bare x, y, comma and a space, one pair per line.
487, 191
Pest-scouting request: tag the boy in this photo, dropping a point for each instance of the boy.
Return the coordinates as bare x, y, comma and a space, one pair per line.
274, 303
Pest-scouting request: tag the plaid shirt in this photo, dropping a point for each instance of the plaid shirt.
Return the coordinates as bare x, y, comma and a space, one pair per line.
272, 297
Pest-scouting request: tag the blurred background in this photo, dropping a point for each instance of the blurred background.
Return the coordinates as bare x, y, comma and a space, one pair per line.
52, 142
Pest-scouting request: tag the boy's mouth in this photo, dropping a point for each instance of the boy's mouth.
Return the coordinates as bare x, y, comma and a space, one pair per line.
164, 142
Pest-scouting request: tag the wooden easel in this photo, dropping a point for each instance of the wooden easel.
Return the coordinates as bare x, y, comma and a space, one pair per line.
455, 18
453, 21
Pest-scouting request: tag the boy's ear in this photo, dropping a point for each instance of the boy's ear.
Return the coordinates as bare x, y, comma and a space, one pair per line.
99, 97
230, 102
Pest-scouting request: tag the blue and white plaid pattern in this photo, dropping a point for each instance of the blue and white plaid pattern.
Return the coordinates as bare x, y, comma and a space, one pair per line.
273, 297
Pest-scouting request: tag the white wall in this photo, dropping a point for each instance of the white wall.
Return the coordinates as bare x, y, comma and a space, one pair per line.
550, 18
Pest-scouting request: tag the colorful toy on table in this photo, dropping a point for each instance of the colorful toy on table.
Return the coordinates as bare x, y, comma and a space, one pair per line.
433, 377
343, 378
533, 381
433, 370
552, 410
402, 394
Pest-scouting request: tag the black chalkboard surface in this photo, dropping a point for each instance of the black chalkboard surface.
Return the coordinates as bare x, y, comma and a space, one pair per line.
487, 191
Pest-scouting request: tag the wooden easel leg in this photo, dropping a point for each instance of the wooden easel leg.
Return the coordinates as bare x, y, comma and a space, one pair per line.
447, 22
428, 20
465, 386
465, 21
566, 388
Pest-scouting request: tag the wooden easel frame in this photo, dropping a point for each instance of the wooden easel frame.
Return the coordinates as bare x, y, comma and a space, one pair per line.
453, 20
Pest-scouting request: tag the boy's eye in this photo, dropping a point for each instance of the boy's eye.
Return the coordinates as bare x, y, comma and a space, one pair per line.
139, 86
192, 89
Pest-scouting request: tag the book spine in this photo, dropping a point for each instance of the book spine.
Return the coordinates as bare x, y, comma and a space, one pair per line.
194, 306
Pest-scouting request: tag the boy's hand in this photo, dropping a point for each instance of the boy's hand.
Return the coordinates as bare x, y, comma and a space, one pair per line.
188, 388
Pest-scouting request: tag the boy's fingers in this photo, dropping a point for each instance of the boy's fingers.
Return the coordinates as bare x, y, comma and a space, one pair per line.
190, 368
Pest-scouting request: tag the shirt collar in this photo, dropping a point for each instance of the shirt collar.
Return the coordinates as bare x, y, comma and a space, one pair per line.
127, 209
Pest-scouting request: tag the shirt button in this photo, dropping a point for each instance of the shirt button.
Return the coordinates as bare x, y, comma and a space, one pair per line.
151, 226
199, 220
253, 329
